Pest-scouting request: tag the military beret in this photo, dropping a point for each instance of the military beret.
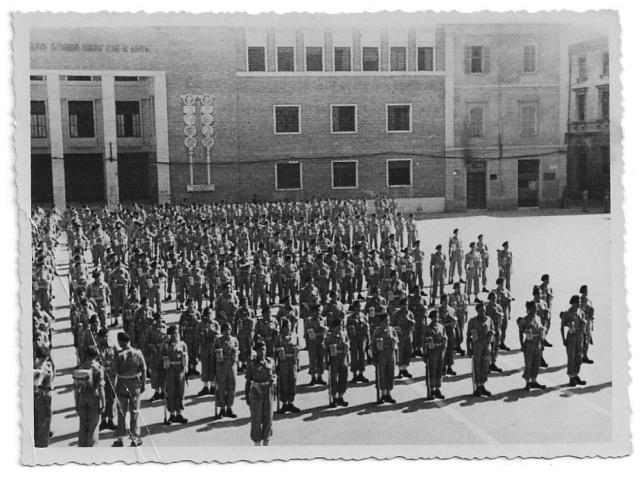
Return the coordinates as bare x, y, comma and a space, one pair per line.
504, 244
103, 332
124, 337
259, 344
172, 329
544, 277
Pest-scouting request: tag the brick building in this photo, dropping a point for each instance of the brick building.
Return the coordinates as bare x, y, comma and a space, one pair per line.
588, 161
438, 116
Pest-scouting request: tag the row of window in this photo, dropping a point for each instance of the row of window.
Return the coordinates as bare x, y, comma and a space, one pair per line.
344, 174
82, 119
477, 59
40, 78
583, 67
581, 104
528, 119
342, 58
344, 118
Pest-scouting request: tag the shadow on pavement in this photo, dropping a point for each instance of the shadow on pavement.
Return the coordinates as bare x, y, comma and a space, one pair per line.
593, 388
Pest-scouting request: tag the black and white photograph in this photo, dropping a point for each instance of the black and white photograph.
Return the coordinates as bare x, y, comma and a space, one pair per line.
290, 236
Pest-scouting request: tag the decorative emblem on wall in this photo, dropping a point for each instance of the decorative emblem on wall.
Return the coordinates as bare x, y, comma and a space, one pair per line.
191, 104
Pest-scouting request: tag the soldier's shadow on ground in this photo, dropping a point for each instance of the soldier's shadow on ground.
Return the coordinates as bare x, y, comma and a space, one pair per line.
593, 388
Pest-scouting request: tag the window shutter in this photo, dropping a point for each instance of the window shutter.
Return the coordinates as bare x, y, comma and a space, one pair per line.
485, 59
467, 59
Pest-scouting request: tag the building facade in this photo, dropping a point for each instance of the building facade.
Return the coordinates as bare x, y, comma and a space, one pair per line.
439, 116
588, 158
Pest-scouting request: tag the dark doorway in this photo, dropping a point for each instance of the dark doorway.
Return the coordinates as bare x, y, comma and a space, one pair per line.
477, 187
41, 179
528, 182
581, 161
84, 177
133, 176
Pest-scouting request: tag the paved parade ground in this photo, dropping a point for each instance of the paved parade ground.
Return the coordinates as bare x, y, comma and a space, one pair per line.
572, 249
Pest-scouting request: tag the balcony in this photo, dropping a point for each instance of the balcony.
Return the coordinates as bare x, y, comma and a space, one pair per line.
599, 125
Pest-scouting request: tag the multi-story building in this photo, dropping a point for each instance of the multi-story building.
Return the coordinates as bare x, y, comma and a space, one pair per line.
438, 116
588, 119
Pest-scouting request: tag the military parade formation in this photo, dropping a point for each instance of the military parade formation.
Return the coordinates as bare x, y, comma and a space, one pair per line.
258, 284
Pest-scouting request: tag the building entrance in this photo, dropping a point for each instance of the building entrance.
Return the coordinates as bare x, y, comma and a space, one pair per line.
133, 176
84, 178
528, 182
477, 186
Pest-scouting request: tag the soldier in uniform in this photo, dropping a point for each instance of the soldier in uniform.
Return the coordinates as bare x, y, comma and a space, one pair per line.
208, 331
88, 386
437, 272
435, 344
572, 328
260, 380
266, 330
505, 264
173, 358
455, 257
359, 341
404, 323
494, 310
288, 312
131, 372
226, 352
156, 337
385, 347
188, 324
418, 306
504, 299
287, 349
315, 329
587, 308
100, 294
483, 250
143, 320
447, 317
337, 349
543, 312
378, 304
43, 376
480, 335
531, 334
107, 358
244, 323
472, 265
119, 282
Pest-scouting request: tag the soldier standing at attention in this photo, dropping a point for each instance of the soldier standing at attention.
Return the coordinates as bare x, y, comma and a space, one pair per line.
459, 301
287, 349
480, 335
244, 322
505, 264
572, 329
208, 332
358, 333
483, 250
531, 333
404, 323
88, 386
437, 271
188, 328
315, 329
226, 349
107, 358
504, 300
435, 344
447, 317
472, 265
337, 348
131, 373
156, 336
494, 310
587, 308
260, 380
384, 347
43, 374
174, 355
455, 257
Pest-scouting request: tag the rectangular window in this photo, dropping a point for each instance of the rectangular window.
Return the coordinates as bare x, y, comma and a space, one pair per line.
425, 58
370, 58
81, 121
476, 59
288, 176
344, 174
529, 59
581, 105
342, 58
256, 58
476, 126
128, 118
398, 58
605, 63
38, 119
604, 159
36, 78
549, 176
287, 119
399, 173
528, 119
582, 68
286, 61
126, 78
314, 60
343, 119
604, 103
399, 118
78, 78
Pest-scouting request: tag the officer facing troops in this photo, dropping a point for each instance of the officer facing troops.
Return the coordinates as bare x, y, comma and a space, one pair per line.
384, 349
88, 388
131, 371
287, 350
43, 376
480, 335
260, 379
435, 344
174, 356
505, 264
337, 349
572, 328
531, 334
226, 353
587, 308
358, 332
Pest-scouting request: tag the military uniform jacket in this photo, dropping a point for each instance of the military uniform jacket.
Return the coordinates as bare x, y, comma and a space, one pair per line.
532, 330
504, 298
287, 347
189, 322
447, 318
438, 262
505, 259
174, 356
435, 337
574, 321
156, 336
226, 349
473, 260
244, 322
385, 341
315, 328
358, 327
259, 375
267, 329
43, 375
496, 314
107, 358
480, 331
337, 343
404, 321
88, 378
587, 308
455, 245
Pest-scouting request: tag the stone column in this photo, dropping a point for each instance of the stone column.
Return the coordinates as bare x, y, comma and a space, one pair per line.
55, 137
162, 138
111, 188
